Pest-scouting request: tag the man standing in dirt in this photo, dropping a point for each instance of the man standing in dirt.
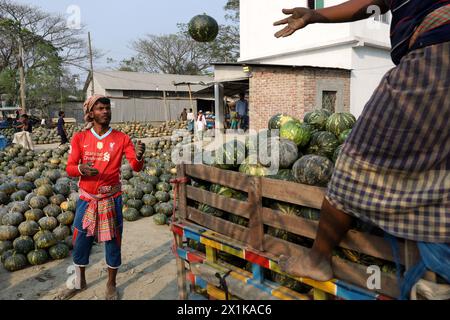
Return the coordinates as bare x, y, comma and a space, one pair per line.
61, 130
183, 115
96, 158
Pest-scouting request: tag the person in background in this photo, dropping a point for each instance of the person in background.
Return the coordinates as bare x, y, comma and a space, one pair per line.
234, 118
61, 129
183, 115
43, 122
200, 125
23, 134
242, 110
191, 120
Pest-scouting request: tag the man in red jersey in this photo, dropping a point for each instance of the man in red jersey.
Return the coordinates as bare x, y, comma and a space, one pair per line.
96, 157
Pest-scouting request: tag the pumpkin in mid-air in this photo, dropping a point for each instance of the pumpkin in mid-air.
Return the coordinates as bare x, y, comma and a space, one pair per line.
203, 28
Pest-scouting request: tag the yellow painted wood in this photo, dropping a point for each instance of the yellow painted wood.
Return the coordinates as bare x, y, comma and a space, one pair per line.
211, 254
234, 252
238, 276
328, 287
319, 295
281, 295
291, 293
215, 292
211, 243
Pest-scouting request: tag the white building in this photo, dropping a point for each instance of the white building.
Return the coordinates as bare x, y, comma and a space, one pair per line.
362, 47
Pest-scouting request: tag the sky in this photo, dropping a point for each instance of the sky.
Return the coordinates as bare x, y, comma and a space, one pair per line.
115, 24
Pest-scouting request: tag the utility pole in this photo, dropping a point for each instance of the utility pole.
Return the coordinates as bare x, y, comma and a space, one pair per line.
92, 64
60, 94
22, 77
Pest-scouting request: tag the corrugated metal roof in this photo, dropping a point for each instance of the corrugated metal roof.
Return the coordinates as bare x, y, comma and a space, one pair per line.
122, 80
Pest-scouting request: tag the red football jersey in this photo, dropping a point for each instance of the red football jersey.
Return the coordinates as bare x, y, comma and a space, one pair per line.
105, 153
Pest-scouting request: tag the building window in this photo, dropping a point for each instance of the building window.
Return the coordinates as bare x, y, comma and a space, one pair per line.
329, 100
315, 4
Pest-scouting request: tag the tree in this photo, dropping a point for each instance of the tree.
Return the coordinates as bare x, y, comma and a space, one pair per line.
49, 46
232, 8
180, 54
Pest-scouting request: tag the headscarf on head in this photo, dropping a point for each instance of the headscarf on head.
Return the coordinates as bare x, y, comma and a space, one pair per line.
87, 107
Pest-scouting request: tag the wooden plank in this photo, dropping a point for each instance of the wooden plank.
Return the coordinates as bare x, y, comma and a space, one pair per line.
300, 194
181, 272
182, 189
256, 225
358, 275
226, 178
235, 287
222, 226
234, 206
346, 271
359, 241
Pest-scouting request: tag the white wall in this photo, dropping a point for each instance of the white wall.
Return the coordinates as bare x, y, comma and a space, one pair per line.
369, 67
257, 30
372, 30
335, 57
320, 45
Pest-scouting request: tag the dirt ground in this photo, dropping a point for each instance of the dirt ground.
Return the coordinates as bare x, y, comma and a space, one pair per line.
148, 270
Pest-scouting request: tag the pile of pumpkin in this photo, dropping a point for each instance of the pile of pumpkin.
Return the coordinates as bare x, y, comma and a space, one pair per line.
167, 128
135, 130
149, 192
7, 133
43, 135
307, 152
139, 130
37, 206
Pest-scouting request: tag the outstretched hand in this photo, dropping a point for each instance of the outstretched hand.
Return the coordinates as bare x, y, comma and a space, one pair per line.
140, 150
300, 18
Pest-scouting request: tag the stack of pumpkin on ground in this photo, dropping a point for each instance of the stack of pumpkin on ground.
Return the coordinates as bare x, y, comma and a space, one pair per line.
8, 133
149, 192
308, 150
37, 206
43, 135
139, 130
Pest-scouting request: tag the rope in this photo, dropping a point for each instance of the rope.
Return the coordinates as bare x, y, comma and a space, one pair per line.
223, 283
176, 182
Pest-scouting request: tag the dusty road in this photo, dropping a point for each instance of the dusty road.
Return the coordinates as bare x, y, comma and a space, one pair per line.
148, 270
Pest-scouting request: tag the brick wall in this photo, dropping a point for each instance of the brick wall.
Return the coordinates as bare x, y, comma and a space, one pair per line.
289, 90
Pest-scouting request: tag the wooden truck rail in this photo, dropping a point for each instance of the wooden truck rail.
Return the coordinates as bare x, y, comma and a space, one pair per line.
268, 248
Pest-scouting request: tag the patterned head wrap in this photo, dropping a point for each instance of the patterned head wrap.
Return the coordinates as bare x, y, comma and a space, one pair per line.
87, 107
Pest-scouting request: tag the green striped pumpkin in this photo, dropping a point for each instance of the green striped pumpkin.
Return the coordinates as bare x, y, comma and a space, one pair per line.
344, 135
37, 257
323, 143
339, 122
317, 119
278, 120
299, 133
203, 28
313, 170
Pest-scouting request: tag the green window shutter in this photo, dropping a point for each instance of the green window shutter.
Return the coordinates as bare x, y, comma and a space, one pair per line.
319, 4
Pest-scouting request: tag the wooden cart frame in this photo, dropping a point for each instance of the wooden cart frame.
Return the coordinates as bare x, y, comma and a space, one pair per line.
265, 249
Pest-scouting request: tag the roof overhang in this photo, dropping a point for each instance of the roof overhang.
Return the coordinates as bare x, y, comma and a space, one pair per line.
231, 86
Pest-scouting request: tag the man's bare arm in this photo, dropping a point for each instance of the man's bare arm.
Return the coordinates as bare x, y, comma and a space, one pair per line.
349, 11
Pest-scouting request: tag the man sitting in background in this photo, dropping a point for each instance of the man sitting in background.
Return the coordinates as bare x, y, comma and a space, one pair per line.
23, 136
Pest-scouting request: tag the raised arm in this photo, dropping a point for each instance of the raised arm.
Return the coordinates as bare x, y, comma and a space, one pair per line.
349, 11
136, 160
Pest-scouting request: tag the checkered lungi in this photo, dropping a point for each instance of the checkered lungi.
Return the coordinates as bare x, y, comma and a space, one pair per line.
394, 169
